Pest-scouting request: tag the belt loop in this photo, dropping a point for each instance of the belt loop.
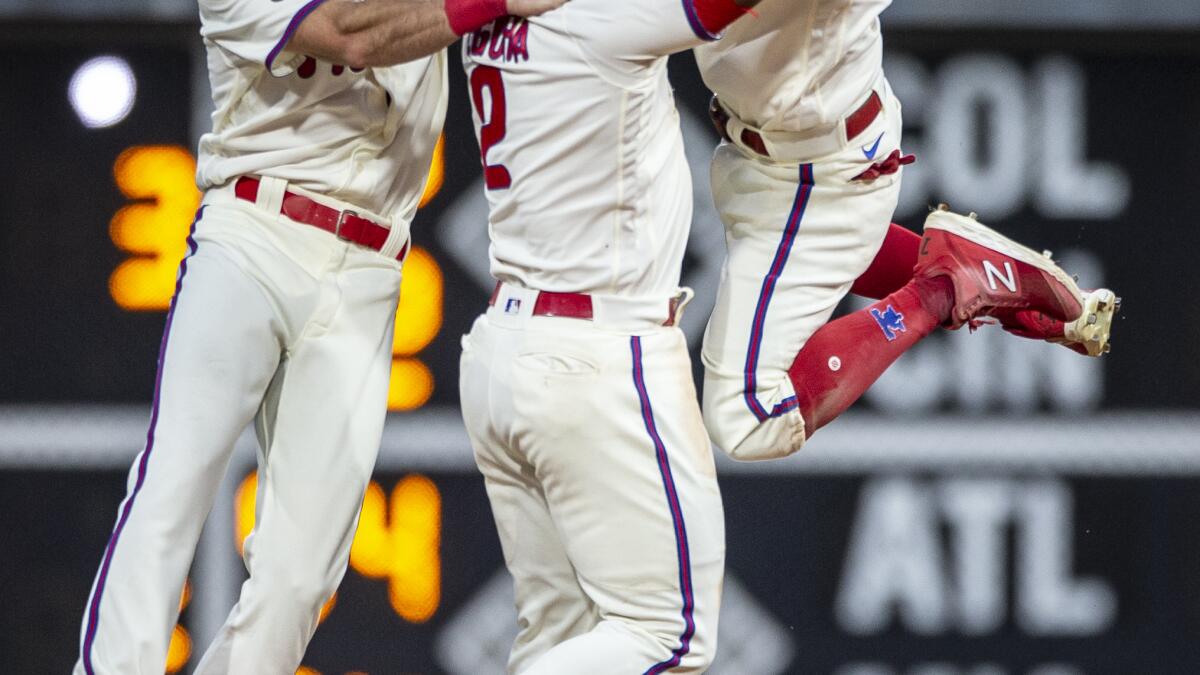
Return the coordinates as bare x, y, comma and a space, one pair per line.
270, 193
397, 239
677, 304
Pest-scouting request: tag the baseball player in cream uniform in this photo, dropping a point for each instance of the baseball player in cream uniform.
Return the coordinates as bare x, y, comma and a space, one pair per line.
806, 182
283, 314
576, 384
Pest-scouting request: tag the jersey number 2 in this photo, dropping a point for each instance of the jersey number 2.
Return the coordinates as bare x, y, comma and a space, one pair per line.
493, 131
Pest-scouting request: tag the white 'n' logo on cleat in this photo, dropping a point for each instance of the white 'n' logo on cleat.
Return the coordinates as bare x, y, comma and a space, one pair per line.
1008, 278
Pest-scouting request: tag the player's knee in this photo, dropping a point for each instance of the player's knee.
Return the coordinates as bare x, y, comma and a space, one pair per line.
305, 590
691, 646
312, 591
701, 652
755, 441
742, 432
693, 652
773, 439
726, 426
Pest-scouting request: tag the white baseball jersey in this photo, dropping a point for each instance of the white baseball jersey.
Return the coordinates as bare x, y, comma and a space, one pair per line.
589, 188
365, 137
611, 524
239, 345
800, 66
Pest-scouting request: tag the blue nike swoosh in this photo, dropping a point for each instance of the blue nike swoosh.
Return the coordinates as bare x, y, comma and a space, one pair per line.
870, 153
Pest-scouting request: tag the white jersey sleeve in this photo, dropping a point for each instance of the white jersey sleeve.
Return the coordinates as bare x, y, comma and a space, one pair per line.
256, 30
639, 30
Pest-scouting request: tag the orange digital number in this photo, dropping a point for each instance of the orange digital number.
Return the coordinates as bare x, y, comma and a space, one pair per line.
402, 544
160, 180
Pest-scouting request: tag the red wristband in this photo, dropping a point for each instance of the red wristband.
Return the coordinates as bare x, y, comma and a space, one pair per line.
716, 15
470, 15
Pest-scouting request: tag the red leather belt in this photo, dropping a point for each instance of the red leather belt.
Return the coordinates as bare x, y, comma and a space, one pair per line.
571, 305
568, 305
345, 225
856, 123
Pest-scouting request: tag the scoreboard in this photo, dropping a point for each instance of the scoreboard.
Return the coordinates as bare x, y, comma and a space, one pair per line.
994, 507
1045, 143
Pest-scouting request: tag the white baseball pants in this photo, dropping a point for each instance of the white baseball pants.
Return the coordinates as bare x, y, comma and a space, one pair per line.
603, 487
287, 325
798, 234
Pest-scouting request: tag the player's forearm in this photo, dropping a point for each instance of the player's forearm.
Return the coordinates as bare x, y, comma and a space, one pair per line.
374, 32
368, 33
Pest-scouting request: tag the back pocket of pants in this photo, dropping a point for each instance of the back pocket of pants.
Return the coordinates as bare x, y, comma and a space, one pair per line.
557, 363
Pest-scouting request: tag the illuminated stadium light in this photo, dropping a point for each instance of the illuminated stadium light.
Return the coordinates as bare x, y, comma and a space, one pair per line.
102, 91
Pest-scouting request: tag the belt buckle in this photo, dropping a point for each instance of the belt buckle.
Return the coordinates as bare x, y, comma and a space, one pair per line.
337, 230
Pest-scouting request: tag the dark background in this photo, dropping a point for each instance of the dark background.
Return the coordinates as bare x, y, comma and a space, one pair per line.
64, 342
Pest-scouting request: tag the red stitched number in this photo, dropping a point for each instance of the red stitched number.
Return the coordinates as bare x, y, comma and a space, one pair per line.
493, 131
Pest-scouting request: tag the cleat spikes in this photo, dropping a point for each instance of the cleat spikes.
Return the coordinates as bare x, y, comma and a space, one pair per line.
1092, 330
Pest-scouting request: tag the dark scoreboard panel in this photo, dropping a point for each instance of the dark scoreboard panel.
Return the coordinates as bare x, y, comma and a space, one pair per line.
944, 572
1079, 144
63, 338
1084, 143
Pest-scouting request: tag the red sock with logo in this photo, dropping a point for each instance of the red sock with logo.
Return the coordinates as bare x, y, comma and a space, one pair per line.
845, 357
893, 264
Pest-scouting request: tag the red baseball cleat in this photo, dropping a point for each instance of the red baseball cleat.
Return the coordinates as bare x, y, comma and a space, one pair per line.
993, 274
1088, 335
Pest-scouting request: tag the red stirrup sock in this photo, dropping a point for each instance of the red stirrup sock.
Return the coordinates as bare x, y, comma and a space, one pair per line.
893, 265
845, 357
466, 16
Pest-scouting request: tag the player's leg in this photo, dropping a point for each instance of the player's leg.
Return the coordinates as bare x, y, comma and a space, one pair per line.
892, 266
219, 349
611, 426
551, 606
798, 237
1089, 335
319, 430
964, 270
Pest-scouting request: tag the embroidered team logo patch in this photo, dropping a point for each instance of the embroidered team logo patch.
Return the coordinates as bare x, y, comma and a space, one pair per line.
890, 322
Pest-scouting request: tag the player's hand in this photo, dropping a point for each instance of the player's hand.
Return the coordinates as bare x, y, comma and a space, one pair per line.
533, 7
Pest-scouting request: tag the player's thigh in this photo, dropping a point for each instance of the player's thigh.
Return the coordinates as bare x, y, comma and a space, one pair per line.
798, 236
614, 433
220, 348
322, 421
551, 606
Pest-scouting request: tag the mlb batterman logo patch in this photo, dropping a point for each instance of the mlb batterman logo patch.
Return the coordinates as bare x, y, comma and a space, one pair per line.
890, 321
